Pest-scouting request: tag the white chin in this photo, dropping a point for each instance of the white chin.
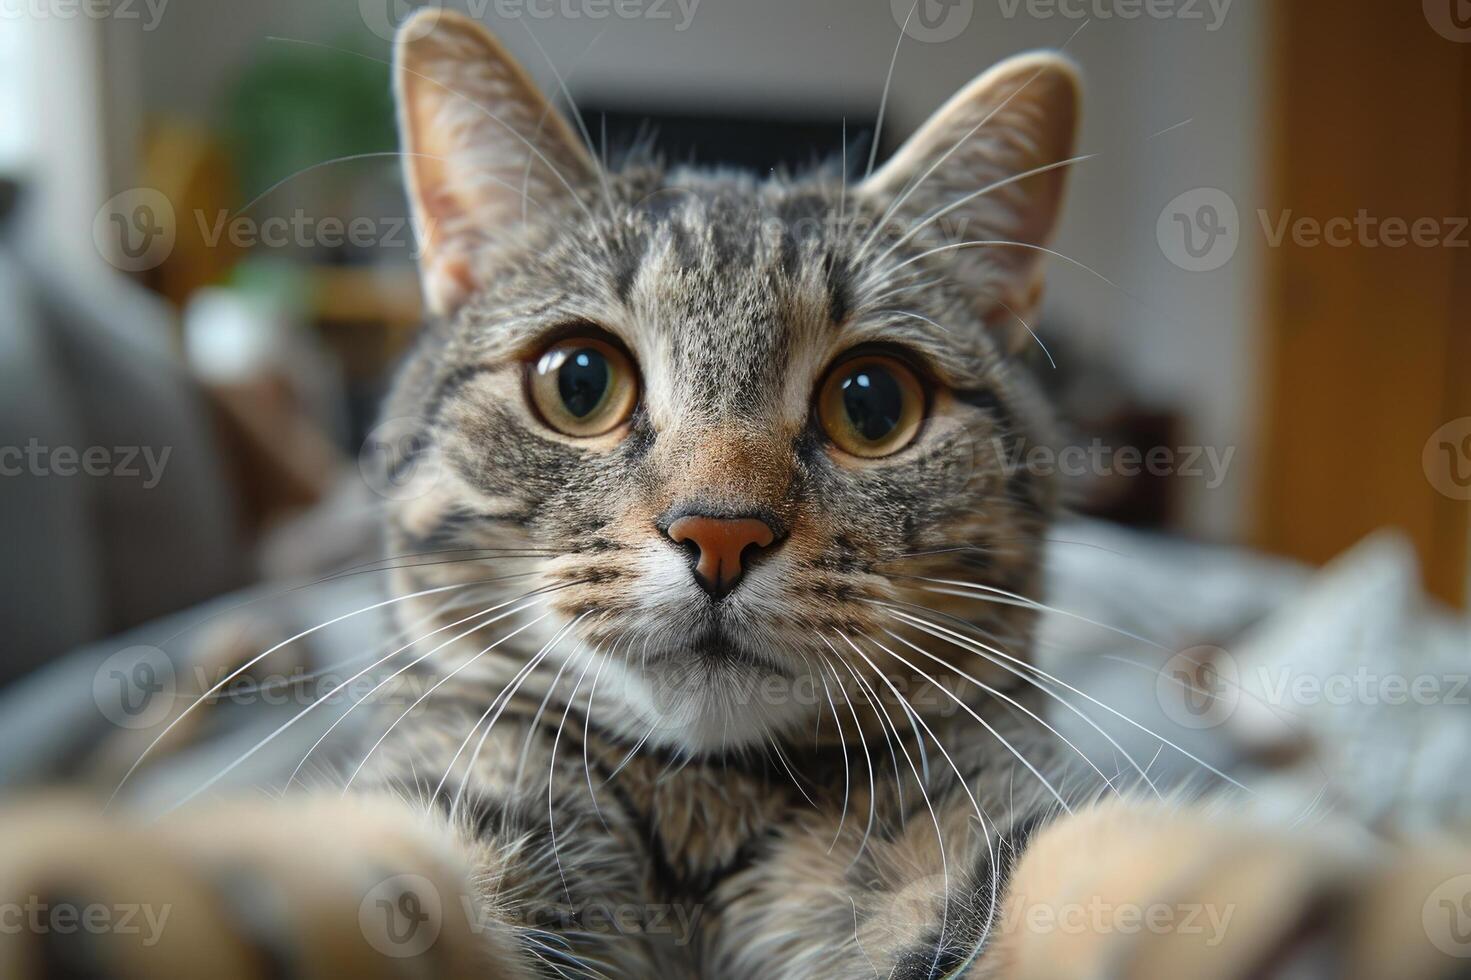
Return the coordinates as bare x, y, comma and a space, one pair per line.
704, 716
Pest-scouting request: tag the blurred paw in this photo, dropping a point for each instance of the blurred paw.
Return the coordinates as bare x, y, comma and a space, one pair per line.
261, 890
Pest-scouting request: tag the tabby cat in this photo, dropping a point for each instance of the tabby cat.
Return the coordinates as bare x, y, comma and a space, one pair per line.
722, 665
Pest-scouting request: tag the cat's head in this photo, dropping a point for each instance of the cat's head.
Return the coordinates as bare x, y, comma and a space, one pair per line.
745, 436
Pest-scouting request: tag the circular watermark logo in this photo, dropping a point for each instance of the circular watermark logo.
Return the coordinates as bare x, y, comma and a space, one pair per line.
401, 916
1451, 19
385, 17
1199, 230
135, 230
1447, 459
933, 21
1199, 688
1446, 916
135, 688
397, 460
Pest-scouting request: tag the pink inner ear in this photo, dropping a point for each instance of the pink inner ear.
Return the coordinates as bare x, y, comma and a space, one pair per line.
448, 281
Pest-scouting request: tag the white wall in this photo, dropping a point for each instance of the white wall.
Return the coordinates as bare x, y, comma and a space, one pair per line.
1185, 337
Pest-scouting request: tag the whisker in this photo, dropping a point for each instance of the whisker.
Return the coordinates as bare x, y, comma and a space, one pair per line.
991, 653
956, 640
220, 685
922, 782
576, 116
410, 665
843, 742
541, 157
863, 689
873, 150
984, 724
551, 780
437, 685
867, 761
898, 201
506, 693
592, 695
999, 243
326, 698
982, 818
1003, 696
936, 215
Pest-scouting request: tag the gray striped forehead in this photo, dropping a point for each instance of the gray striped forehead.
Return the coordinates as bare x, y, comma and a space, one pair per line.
731, 292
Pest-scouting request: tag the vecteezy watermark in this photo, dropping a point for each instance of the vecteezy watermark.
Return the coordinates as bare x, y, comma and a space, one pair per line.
1211, 12
933, 21
402, 916
125, 462
1451, 19
1446, 916
135, 231
1097, 916
385, 17
1198, 688
397, 460
303, 230
1098, 459
1202, 688
148, 11
1363, 230
41, 917
1447, 459
138, 230
1199, 230
675, 921
135, 688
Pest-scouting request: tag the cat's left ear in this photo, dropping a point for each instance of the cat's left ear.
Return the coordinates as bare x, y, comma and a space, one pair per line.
481, 144
974, 159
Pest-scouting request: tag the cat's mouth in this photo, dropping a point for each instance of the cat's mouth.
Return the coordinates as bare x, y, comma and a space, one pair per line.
716, 648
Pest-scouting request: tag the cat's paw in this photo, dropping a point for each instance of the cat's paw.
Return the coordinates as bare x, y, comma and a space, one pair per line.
1147, 893
260, 890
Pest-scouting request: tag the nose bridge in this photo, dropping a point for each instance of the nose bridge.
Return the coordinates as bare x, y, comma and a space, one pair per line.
734, 468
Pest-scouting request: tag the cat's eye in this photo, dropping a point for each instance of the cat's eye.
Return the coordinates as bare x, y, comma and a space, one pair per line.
583, 386
871, 405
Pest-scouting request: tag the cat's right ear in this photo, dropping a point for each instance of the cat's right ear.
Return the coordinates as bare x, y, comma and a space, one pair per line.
482, 148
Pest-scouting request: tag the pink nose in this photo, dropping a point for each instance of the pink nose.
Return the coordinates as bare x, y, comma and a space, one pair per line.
721, 542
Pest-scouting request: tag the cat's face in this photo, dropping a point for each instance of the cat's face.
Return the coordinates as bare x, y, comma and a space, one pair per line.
735, 429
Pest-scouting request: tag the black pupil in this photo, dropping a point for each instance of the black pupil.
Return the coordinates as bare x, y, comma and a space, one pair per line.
873, 401
582, 381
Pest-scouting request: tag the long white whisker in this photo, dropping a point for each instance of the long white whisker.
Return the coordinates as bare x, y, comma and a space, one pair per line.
1007, 243
437, 685
576, 115
878, 128
324, 699
960, 202
992, 653
471, 102
922, 626
984, 724
410, 665
898, 202
921, 781
502, 698
551, 779
867, 762
1003, 696
220, 685
864, 690
843, 742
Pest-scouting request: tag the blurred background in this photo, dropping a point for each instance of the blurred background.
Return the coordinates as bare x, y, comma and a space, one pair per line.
207, 272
